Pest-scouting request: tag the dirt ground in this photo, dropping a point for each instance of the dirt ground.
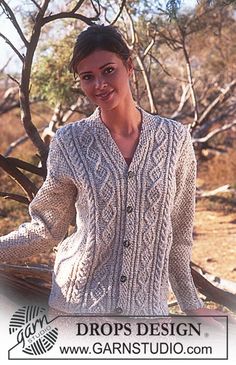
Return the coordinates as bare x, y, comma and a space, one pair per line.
215, 242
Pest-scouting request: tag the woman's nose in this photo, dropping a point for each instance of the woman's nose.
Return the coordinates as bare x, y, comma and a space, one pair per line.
100, 82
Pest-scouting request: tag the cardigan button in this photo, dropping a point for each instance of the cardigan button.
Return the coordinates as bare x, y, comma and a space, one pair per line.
119, 310
126, 243
130, 174
123, 278
129, 209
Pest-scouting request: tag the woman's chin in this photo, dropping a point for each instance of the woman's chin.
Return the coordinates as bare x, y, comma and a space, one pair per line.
108, 106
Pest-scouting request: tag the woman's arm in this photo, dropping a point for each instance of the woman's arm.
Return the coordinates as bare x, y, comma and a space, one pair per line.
51, 212
182, 225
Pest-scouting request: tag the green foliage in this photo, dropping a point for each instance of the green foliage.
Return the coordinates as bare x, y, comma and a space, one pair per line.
51, 79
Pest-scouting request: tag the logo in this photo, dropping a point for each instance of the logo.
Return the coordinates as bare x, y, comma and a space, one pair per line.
32, 329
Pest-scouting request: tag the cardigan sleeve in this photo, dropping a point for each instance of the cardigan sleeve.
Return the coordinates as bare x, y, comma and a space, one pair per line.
51, 211
182, 229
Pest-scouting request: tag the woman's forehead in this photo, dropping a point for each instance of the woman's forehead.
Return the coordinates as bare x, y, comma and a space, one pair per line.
97, 60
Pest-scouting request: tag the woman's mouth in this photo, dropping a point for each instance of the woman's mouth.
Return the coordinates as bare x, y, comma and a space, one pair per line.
105, 95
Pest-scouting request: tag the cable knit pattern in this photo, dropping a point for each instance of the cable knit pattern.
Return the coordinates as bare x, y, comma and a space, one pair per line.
133, 222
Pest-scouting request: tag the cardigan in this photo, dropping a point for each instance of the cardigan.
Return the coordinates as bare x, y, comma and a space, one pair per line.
134, 223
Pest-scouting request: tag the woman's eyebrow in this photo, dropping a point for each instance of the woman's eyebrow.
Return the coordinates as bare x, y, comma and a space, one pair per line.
106, 64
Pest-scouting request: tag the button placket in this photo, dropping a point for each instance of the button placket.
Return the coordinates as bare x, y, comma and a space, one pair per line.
128, 239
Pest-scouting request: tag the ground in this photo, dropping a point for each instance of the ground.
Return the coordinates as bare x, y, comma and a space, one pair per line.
215, 242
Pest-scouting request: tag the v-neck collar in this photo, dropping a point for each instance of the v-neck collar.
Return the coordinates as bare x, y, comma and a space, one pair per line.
109, 142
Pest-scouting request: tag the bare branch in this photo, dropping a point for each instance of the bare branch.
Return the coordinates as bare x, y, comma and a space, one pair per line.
131, 29
15, 197
76, 7
13, 79
9, 12
12, 47
153, 108
165, 70
212, 292
190, 77
18, 142
148, 48
36, 4
225, 114
214, 133
142, 66
97, 11
119, 13
219, 99
26, 166
221, 189
24, 93
70, 14
19, 177
6, 64
38, 271
183, 100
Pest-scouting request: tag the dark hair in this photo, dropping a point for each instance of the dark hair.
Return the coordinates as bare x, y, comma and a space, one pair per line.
95, 37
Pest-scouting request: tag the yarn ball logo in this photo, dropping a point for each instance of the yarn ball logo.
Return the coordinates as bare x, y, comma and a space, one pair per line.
33, 330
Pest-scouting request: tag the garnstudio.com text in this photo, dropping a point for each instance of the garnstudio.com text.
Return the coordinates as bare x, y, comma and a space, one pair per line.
136, 348
138, 329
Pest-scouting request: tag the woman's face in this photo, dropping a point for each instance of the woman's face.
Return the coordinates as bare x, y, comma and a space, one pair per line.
104, 78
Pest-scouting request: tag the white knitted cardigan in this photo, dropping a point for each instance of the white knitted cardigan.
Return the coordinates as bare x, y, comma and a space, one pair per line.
133, 223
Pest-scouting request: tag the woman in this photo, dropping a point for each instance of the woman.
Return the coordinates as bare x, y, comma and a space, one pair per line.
130, 178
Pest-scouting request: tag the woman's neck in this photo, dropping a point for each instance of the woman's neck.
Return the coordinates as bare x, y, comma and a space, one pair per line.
122, 121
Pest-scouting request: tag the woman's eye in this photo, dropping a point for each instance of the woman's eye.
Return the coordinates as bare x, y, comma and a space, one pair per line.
109, 70
87, 77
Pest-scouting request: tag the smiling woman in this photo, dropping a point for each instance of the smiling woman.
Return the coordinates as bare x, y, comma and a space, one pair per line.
104, 79
129, 177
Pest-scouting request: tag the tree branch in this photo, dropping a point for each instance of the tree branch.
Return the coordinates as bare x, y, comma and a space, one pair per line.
213, 133
62, 15
190, 77
12, 47
13, 79
18, 142
219, 99
153, 108
165, 70
29, 188
76, 7
6, 64
183, 100
141, 64
9, 12
212, 292
26, 166
15, 197
147, 49
36, 4
26, 118
119, 13
97, 11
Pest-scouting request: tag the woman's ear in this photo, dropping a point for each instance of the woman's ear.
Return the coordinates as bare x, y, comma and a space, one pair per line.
129, 66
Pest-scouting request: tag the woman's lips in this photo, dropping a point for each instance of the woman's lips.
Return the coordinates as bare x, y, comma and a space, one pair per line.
104, 96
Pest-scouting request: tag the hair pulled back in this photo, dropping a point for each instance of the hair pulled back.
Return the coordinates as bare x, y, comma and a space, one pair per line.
106, 38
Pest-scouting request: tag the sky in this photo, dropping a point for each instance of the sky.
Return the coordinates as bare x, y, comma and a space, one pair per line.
8, 30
